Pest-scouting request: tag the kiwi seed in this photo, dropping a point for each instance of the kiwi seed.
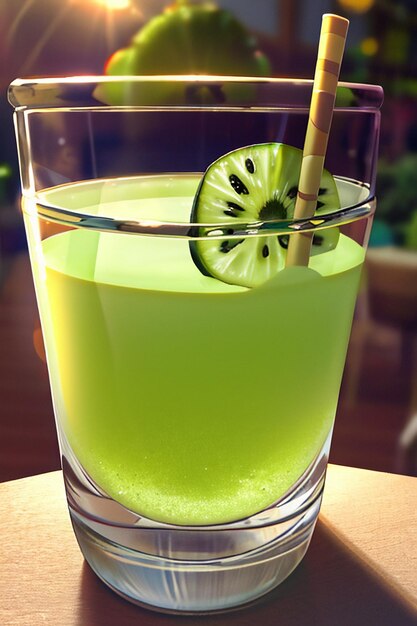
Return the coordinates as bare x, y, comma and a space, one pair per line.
291, 193
236, 207
250, 166
237, 185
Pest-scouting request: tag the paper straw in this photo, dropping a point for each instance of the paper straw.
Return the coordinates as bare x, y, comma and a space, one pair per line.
329, 59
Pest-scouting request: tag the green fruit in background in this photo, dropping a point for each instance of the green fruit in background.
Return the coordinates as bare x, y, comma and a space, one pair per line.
411, 233
188, 39
344, 97
5, 175
397, 197
381, 235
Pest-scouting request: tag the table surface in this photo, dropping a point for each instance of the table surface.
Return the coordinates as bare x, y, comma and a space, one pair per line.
360, 569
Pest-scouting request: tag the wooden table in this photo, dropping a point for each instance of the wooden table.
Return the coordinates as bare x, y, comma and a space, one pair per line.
360, 569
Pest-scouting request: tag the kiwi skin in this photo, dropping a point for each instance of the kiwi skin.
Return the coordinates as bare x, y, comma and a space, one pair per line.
197, 259
195, 231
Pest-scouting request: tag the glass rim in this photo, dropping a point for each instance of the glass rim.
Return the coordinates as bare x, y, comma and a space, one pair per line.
195, 230
76, 92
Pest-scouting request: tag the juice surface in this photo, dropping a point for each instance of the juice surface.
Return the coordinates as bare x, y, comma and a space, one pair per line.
185, 399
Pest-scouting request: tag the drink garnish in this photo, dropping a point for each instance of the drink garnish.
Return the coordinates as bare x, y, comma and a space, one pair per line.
256, 183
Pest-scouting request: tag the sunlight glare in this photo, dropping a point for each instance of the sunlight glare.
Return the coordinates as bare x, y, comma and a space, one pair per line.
114, 4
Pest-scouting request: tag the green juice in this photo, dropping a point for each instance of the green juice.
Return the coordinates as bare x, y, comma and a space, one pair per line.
186, 399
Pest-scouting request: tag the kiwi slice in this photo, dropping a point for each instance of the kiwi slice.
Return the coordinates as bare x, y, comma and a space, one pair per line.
255, 183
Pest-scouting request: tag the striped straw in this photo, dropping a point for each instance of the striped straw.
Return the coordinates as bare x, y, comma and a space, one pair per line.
329, 59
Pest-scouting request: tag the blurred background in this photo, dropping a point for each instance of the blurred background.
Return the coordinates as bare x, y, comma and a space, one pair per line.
376, 426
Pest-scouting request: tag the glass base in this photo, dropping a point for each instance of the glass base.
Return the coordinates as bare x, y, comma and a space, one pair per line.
173, 585
196, 569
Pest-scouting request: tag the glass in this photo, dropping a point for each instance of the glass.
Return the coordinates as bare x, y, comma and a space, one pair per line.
194, 415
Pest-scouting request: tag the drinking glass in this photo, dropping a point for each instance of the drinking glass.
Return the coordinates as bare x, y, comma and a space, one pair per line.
194, 409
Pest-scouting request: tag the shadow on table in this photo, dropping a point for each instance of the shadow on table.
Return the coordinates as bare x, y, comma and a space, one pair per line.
331, 586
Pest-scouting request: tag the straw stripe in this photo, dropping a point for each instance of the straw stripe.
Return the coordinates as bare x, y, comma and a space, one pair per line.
308, 196
315, 141
328, 66
323, 109
328, 81
330, 53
